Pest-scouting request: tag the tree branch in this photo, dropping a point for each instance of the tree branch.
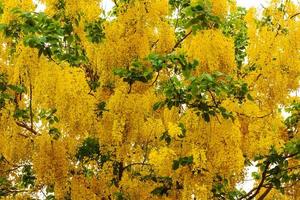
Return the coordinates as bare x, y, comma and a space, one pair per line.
215, 102
259, 117
115, 2
181, 40
28, 128
250, 195
295, 15
155, 79
265, 193
30, 104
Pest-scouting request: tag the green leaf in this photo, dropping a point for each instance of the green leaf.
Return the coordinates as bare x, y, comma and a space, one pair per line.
176, 164
17, 88
90, 148
182, 161
160, 191
249, 97
256, 175
166, 137
54, 132
158, 105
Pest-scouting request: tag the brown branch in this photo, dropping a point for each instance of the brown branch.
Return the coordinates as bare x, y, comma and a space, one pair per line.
259, 117
295, 15
155, 79
15, 167
264, 174
7, 191
23, 135
28, 128
252, 193
215, 102
115, 2
181, 40
130, 88
154, 44
30, 105
265, 193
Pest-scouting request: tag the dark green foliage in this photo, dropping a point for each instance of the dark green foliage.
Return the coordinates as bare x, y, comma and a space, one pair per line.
166, 137
54, 37
136, 72
100, 108
27, 177
54, 132
94, 31
293, 120
235, 27
221, 190
166, 185
22, 114
89, 149
50, 116
182, 161
93, 84
9, 92
203, 93
179, 3
200, 18
51, 38
160, 191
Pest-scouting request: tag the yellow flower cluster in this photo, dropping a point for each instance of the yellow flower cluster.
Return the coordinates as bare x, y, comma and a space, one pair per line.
269, 48
50, 163
213, 50
134, 34
218, 7
88, 9
162, 160
7, 16
174, 130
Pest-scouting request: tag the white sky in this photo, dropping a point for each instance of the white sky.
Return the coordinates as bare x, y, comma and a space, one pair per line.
108, 4
251, 3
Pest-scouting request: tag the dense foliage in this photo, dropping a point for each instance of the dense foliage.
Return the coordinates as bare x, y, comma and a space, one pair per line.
154, 99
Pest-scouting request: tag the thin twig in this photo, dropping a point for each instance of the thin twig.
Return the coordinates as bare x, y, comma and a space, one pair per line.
23, 125
265, 193
30, 104
216, 104
295, 15
264, 174
154, 44
181, 40
115, 2
259, 117
155, 79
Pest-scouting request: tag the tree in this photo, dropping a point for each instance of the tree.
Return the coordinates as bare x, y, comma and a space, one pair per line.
156, 99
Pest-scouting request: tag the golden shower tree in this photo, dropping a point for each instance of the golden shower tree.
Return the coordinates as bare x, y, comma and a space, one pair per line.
156, 99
